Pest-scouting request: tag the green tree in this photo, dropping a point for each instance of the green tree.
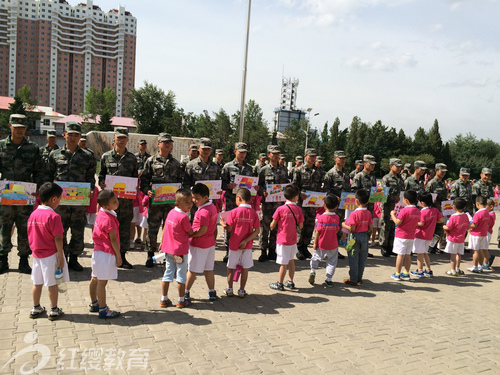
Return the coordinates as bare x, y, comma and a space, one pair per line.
353, 141
323, 148
105, 122
434, 144
99, 103
420, 141
294, 140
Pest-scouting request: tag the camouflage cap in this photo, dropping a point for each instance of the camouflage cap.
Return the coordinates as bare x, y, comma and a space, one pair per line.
165, 137
219, 151
193, 146
299, 158
420, 164
73, 127
18, 121
339, 154
465, 171
359, 162
262, 155
241, 147
319, 158
282, 156
205, 143
121, 132
369, 159
273, 149
83, 137
51, 133
486, 170
441, 167
407, 166
395, 162
142, 142
311, 152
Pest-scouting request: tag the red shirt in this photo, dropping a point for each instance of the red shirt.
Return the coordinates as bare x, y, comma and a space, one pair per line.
361, 218
491, 224
482, 219
327, 226
410, 216
287, 228
429, 216
243, 219
43, 225
105, 222
175, 236
206, 215
457, 227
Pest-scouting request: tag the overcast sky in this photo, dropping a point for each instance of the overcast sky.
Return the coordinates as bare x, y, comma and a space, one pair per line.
404, 62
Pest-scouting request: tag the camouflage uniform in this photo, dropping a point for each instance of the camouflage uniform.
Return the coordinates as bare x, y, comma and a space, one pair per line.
120, 165
45, 152
258, 167
463, 190
365, 181
482, 189
79, 166
141, 159
336, 182
438, 187
411, 183
18, 162
352, 174
230, 170
387, 226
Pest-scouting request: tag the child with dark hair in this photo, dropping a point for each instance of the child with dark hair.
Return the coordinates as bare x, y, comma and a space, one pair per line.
490, 206
456, 228
478, 240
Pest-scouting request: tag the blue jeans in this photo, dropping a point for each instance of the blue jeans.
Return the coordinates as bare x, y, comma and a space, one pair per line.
357, 257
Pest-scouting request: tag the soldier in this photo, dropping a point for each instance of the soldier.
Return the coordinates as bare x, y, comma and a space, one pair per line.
364, 179
261, 163
307, 177
20, 160
219, 155
50, 146
415, 181
83, 144
71, 163
161, 168
120, 162
298, 162
273, 173
193, 154
483, 186
395, 183
142, 155
359, 168
406, 172
438, 186
463, 189
283, 160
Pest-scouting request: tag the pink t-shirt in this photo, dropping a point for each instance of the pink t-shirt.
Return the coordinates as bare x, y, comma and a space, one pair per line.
410, 216
429, 216
457, 227
491, 224
327, 226
175, 236
205, 215
377, 210
43, 225
361, 218
92, 207
482, 219
243, 219
105, 222
287, 229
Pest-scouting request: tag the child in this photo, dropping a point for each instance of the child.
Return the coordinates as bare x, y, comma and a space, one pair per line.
478, 235
45, 232
407, 222
202, 248
91, 211
359, 224
456, 228
326, 245
429, 216
106, 256
287, 217
244, 224
136, 220
175, 244
490, 206
377, 212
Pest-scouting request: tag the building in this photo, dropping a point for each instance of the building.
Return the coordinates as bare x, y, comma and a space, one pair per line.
60, 51
287, 111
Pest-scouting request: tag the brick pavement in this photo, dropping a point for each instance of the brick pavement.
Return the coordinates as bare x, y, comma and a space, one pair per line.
432, 326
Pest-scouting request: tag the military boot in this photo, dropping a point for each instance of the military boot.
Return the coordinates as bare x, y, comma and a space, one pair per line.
149, 261
73, 263
24, 266
263, 256
4, 264
300, 255
272, 254
125, 264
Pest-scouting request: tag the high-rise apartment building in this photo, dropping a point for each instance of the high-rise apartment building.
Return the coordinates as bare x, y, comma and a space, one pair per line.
60, 51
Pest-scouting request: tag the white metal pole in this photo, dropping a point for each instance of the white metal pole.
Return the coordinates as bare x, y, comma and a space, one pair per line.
244, 83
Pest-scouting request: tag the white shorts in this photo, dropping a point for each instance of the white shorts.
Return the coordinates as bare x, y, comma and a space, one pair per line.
137, 216
376, 223
200, 260
285, 253
91, 219
104, 266
403, 246
489, 235
144, 222
454, 248
478, 242
243, 257
44, 271
420, 246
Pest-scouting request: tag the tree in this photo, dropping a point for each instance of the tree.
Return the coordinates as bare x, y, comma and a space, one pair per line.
323, 148
434, 144
353, 142
99, 103
294, 140
24, 104
420, 141
105, 122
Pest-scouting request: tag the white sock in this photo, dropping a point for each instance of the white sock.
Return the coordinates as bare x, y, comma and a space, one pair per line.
164, 298
181, 299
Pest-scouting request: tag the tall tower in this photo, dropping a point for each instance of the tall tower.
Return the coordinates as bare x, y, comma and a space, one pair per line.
287, 111
289, 93
60, 51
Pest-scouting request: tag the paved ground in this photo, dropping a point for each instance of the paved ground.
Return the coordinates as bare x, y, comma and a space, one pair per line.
431, 326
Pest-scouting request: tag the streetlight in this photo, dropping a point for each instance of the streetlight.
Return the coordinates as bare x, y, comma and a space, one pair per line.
307, 136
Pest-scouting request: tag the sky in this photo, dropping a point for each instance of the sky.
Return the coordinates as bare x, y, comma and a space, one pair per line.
404, 62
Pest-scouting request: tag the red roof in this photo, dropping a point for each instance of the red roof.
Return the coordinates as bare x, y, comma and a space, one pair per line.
115, 121
5, 101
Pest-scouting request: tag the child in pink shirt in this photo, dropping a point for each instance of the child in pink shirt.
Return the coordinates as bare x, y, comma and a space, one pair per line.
490, 206
244, 224
92, 211
478, 240
359, 224
326, 245
429, 216
407, 222
377, 212
106, 256
45, 236
456, 228
175, 244
202, 248
287, 217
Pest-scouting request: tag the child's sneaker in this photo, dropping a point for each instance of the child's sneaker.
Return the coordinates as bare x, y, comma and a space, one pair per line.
107, 313
187, 297
473, 269
329, 284
490, 260
94, 307
229, 292
181, 305
460, 272
242, 293
451, 273
54, 314
277, 286
418, 274
486, 266
36, 311
428, 273
395, 276
166, 303
289, 284
405, 276
312, 277
212, 296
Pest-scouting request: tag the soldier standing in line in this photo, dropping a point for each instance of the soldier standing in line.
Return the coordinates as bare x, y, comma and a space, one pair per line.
438, 186
261, 163
463, 189
415, 181
50, 146
359, 168
219, 155
271, 174
283, 161
120, 162
483, 186
83, 144
319, 163
406, 172
161, 168
307, 177
142, 155
395, 183
71, 163
20, 160
193, 154
364, 179
298, 162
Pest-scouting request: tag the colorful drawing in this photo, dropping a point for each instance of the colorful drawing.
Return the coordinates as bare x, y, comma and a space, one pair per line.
74, 193
497, 203
347, 201
275, 193
165, 193
245, 182
215, 187
447, 207
397, 208
123, 187
314, 199
378, 194
17, 193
